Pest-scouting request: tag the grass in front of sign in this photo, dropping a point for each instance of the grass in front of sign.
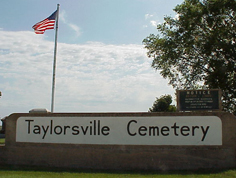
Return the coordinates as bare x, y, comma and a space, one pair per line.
2, 140
29, 172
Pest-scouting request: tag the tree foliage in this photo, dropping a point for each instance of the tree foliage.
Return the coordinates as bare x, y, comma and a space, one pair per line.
162, 104
197, 48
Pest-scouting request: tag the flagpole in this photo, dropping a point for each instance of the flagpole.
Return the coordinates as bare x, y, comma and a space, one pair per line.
54, 61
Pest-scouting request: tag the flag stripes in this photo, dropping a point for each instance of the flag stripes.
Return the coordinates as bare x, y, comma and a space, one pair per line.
46, 24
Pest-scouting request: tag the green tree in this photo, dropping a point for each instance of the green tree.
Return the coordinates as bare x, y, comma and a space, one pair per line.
162, 104
197, 48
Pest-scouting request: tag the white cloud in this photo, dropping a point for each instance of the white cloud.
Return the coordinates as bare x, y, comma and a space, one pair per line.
153, 23
62, 16
152, 20
92, 77
147, 16
74, 27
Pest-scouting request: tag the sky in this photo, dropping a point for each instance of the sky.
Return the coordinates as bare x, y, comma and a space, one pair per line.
102, 65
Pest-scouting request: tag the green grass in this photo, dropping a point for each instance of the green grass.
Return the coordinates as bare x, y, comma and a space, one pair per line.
2, 140
34, 172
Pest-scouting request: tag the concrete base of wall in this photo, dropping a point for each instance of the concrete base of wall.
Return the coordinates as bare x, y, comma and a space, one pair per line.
121, 157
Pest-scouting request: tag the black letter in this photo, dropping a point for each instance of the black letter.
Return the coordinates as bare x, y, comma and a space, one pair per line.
51, 127
193, 129
183, 129
29, 125
76, 132
84, 130
66, 127
45, 130
142, 128
128, 127
164, 129
105, 129
55, 129
175, 127
152, 130
204, 132
37, 129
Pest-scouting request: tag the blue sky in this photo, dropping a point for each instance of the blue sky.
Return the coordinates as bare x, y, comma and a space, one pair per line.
101, 63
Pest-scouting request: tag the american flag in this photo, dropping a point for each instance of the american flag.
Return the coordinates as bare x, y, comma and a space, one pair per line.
46, 24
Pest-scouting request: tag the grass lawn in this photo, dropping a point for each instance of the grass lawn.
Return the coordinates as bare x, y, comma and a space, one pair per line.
27, 172
2, 140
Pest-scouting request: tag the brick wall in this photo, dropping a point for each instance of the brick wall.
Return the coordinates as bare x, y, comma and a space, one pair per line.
123, 157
